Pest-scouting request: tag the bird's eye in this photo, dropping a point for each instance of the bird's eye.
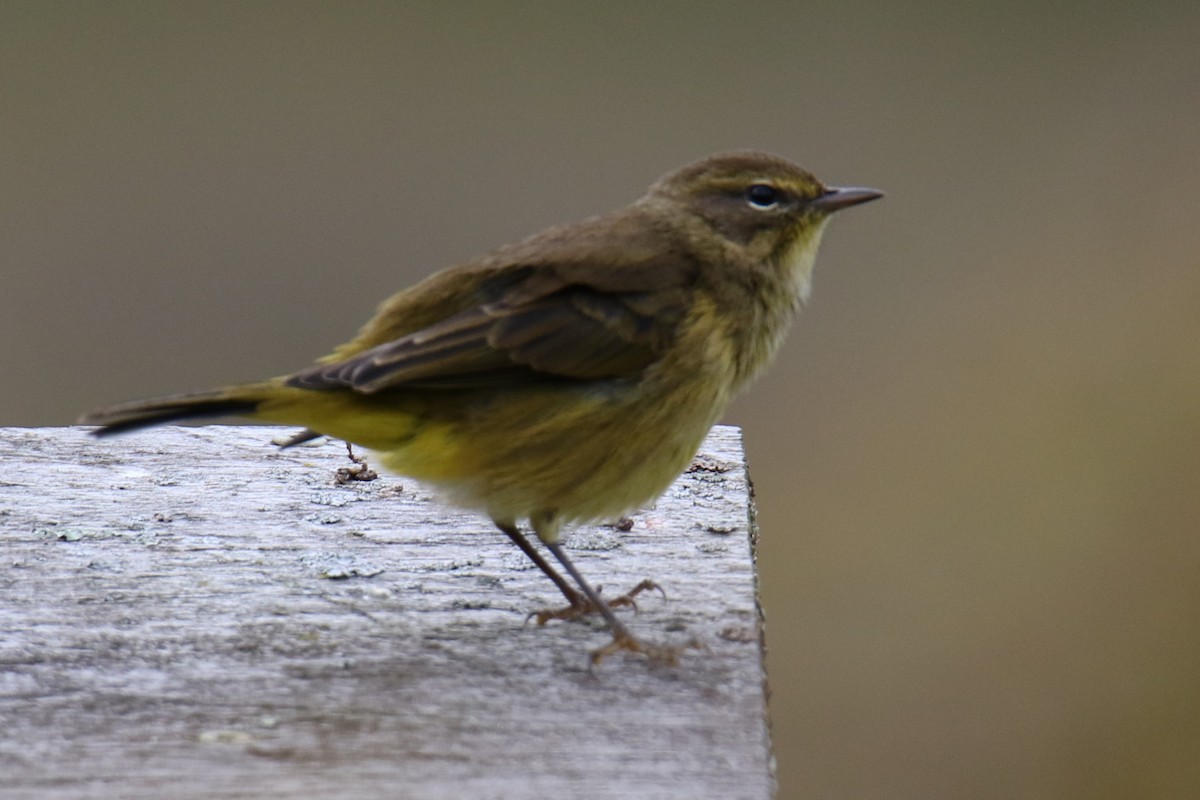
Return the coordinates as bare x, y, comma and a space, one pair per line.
762, 195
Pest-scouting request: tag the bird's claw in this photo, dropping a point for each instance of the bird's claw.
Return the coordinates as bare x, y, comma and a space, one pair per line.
660, 653
580, 606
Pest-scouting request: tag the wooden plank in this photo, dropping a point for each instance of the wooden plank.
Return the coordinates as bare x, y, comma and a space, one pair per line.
191, 612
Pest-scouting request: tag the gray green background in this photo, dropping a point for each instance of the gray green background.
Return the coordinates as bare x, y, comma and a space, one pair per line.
978, 457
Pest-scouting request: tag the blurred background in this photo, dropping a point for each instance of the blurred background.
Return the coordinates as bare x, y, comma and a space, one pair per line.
978, 457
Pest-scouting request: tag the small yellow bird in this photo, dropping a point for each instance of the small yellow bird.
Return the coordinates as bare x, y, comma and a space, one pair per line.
570, 377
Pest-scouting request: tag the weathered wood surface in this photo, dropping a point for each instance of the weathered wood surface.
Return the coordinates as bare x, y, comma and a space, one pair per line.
190, 612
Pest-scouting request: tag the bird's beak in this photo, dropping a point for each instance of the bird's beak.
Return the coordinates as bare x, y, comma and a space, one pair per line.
836, 199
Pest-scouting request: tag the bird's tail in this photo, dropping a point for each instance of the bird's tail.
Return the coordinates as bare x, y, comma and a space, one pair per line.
241, 401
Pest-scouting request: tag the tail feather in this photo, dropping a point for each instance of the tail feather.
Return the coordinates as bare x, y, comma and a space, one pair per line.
237, 401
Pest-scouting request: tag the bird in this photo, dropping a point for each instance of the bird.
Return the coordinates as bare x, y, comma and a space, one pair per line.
569, 377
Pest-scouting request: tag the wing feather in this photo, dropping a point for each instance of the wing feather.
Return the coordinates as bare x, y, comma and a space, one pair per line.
542, 318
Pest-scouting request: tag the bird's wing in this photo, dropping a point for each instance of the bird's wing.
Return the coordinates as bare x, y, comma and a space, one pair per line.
538, 323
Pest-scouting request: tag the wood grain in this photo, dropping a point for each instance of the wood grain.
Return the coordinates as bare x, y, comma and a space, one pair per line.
191, 612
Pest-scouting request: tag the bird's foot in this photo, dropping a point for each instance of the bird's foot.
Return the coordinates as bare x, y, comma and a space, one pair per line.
580, 606
660, 653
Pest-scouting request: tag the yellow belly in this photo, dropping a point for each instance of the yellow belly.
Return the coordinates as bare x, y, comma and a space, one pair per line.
568, 451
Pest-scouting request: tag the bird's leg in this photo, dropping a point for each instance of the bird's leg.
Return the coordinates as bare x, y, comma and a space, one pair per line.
573, 596
580, 605
622, 638
619, 631
589, 601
